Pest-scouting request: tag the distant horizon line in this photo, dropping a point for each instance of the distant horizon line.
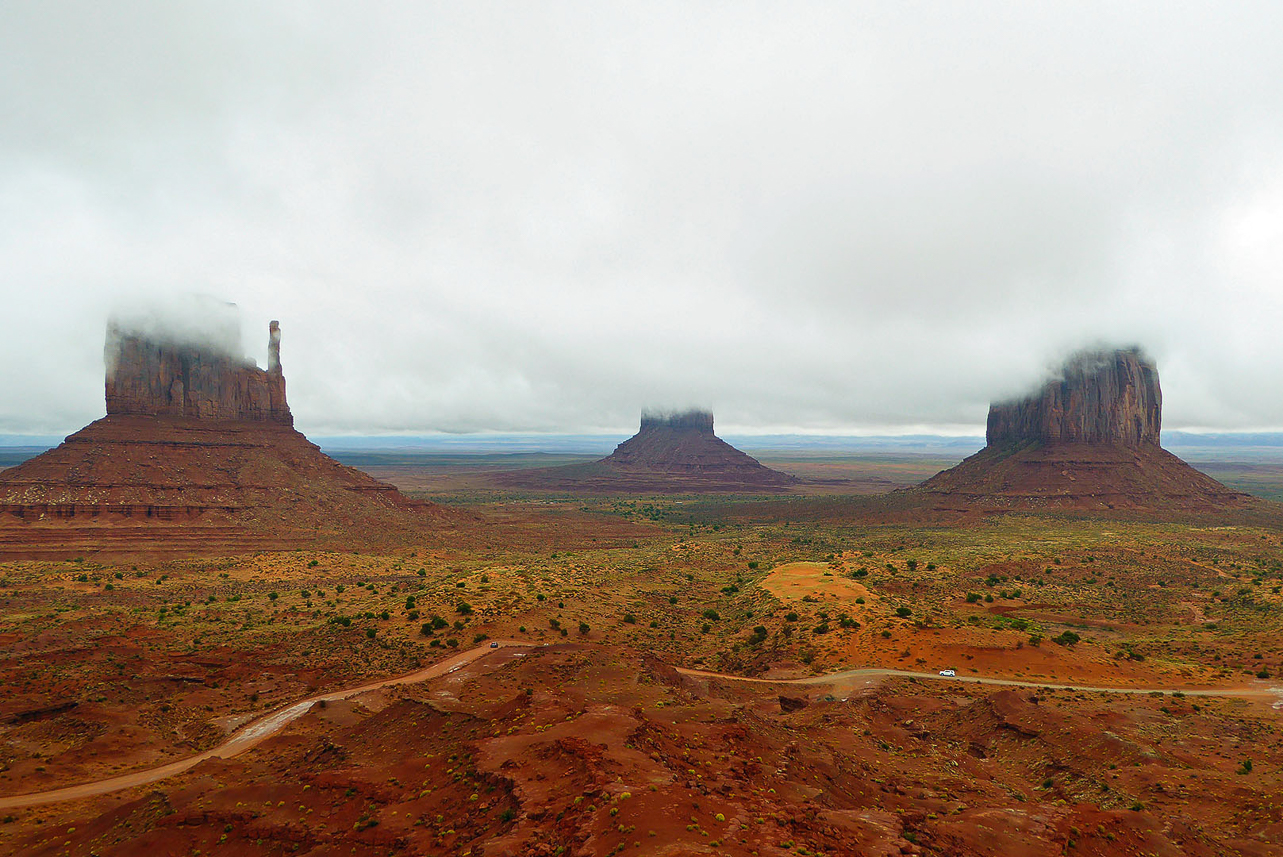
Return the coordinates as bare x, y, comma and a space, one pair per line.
14, 439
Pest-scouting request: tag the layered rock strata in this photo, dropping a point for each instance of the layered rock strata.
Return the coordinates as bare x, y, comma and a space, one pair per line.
1088, 439
192, 432
1100, 397
157, 377
684, 443
671, 453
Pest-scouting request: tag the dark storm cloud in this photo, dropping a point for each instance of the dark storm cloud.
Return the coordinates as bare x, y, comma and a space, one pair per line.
546, 216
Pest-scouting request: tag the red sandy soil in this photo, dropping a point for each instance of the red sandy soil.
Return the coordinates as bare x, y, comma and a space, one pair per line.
587, 751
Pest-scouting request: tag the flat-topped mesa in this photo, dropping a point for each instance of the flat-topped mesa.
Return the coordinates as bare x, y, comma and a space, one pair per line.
1087, 440
683, 443
1101, 397
152, 375
195, 436
692, 420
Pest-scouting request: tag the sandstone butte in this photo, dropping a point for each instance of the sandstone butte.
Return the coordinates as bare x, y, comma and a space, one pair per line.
684, 443
671, 453
194, 434
1087, 439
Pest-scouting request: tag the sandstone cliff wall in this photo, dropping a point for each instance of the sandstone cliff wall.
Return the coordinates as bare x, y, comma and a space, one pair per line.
1103, 397
146, 376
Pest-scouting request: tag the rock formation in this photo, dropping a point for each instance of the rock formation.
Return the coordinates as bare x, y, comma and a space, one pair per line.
1100, 397
684, 443
671, 453
1088, 439
193, 431
152, 377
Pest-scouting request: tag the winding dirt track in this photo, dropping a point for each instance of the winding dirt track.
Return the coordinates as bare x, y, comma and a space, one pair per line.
264, 727
845, 676
249, 735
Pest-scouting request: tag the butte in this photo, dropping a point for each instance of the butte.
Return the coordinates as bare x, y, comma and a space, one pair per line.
1087, 440
671, 453
197, 452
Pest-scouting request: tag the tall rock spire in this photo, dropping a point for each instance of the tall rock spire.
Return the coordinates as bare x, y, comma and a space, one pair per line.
149, 374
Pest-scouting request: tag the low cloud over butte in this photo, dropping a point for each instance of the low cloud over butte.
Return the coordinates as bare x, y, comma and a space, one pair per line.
520, 218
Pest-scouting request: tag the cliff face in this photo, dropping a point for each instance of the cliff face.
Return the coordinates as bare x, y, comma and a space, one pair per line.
148, 377
695, 420
199, 442
1087, 440
1102, 397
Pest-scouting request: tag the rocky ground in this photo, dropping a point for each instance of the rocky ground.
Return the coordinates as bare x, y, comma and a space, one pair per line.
593, 741
578, 749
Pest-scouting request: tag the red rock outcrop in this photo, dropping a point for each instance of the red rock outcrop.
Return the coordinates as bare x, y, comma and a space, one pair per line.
193, 433
1087, 440
158, 377
675, 452
685, 443
1100, 397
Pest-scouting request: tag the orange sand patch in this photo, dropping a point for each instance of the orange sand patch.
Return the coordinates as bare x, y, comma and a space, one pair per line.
796, 580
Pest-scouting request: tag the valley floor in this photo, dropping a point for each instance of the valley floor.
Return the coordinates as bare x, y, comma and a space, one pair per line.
617, 722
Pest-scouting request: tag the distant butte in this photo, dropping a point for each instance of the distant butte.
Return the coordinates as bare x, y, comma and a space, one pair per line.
671, 453
197, 437
1088, 439
684, 444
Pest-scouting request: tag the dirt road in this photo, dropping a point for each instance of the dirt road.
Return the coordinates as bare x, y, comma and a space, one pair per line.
839, 678
258, 730
250, 734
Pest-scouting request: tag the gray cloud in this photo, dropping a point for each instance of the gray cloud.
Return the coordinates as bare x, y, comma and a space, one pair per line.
543, 217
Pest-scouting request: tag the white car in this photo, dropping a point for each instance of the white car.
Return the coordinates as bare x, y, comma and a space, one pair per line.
948, 673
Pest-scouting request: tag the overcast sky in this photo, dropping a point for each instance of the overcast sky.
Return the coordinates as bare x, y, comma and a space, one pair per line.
542, 217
